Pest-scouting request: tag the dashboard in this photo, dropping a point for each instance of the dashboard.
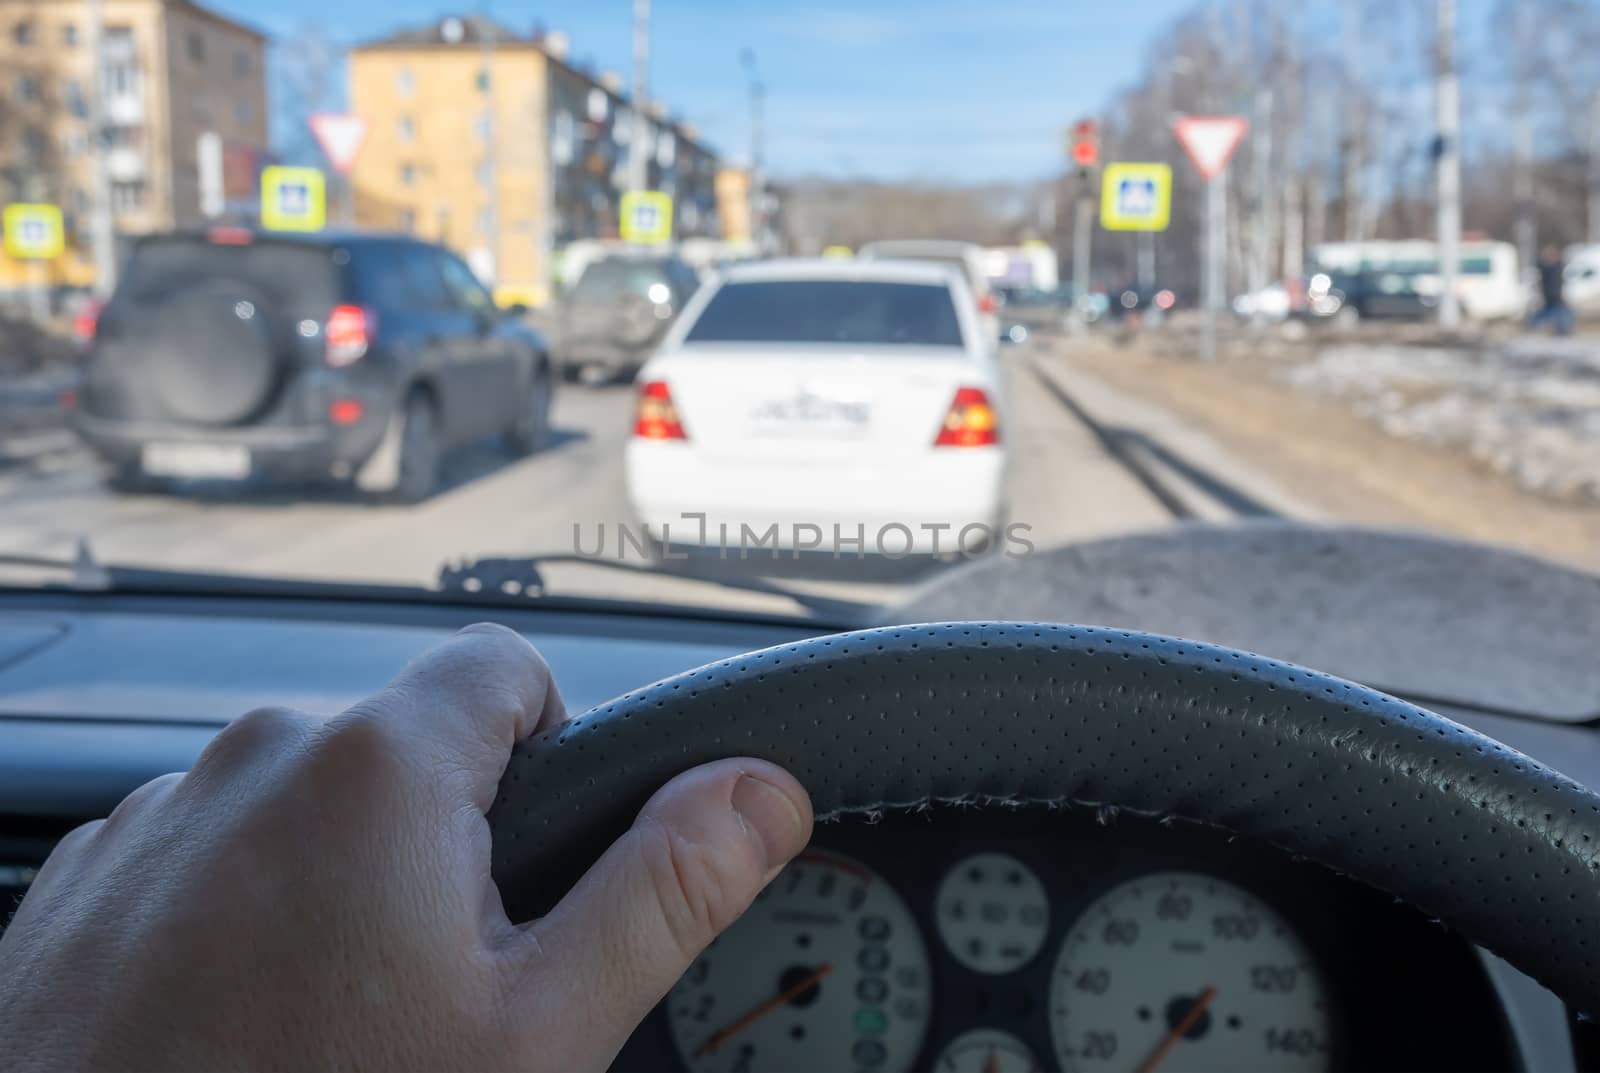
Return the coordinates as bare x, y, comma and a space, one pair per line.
948, 938
959, 939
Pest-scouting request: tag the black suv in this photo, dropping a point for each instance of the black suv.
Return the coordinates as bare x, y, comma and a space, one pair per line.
231, 354
618, 311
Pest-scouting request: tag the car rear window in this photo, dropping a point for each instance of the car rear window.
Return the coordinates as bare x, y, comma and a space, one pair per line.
289, 273
829, 311
609, 280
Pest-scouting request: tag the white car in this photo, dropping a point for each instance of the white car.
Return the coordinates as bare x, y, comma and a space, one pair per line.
844, 407
969, 257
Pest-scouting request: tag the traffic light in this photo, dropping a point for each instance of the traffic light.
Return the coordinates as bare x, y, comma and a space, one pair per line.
1085, 143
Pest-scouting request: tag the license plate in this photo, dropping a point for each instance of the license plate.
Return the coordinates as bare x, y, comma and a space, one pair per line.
197, 460
810, 412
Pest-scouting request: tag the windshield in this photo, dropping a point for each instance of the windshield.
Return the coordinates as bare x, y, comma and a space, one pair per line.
829, 311
855, 300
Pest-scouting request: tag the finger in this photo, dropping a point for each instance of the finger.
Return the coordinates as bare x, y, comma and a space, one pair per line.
698, 854
461, 706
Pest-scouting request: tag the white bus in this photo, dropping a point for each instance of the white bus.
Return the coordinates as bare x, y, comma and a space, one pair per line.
1490, 285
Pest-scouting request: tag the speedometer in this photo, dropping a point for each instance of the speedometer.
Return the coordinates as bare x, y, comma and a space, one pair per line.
1180, 970
827, 970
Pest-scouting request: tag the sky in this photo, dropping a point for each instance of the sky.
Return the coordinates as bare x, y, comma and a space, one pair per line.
938, 90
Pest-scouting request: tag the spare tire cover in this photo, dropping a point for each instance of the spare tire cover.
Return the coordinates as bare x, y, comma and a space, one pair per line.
207, 353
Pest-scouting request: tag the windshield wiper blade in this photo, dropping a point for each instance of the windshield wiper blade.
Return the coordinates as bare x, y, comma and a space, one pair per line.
523, 576
84, 573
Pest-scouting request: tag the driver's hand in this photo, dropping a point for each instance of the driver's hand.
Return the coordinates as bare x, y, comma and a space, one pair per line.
316, 895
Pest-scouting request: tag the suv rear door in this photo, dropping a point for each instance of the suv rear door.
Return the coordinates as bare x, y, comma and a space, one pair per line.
487, 355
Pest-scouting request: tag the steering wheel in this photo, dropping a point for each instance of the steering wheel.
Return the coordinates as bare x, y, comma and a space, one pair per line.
1494, 844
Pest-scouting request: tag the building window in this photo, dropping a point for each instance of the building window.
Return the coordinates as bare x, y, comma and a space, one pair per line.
196, 47
408, 221
483, 126
35, 146
243, 64
483, 80
22, 33
244, 112
404, 82
127, 196
485, 173
406, 129
72, 94
27, 88
69, 35
486, 221
408, 174
599, 105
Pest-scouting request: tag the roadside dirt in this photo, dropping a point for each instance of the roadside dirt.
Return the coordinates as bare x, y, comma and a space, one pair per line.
1339, 461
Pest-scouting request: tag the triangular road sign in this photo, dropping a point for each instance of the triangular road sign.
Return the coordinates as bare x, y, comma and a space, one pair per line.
340, 136
1210, 140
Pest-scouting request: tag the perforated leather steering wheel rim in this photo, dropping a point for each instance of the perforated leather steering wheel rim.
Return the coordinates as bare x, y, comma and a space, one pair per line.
1494, 844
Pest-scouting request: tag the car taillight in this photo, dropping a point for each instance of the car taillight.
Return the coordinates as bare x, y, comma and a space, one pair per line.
970, 422
348, 332
988, 304
87, 322
657, 417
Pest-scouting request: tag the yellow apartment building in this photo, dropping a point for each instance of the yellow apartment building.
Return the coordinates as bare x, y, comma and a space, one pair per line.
490, 141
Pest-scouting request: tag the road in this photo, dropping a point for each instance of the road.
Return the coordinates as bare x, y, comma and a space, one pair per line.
1065, 485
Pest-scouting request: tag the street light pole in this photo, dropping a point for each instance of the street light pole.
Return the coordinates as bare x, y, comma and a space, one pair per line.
1447, 99
102, 230
758, 100
638, 155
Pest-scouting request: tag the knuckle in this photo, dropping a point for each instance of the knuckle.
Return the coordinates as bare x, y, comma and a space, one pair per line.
254, 733
143, 797
697, 885
357, 743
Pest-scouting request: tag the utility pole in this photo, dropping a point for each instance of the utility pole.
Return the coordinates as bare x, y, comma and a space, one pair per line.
1082, 233
1353, 124
1593, 229
758, 192
102, 230
1525, 228
1293, 230
1261, 253
1447, 153
638, 151
491, 165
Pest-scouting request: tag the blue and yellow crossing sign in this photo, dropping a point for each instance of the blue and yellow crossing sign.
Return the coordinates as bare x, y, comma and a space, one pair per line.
1136, 197
293, 199
33, 231
646, 217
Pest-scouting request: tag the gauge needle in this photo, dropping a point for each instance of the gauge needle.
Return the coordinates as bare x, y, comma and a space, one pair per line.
744, 1021
1185, 1023
993, 1064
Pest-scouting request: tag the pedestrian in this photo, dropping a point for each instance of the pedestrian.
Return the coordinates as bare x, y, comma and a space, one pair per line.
1553, 311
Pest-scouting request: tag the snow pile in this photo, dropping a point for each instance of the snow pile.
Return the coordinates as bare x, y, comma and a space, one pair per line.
1529, 408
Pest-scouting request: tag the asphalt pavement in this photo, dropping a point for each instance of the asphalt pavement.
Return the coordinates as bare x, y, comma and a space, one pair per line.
1065, 485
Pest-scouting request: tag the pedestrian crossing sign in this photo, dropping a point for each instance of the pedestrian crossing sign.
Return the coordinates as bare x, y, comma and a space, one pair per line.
646, 217
33, 232
1136, 197
293, 199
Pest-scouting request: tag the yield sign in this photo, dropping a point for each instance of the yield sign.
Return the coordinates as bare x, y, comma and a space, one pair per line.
1210, 140
341, 136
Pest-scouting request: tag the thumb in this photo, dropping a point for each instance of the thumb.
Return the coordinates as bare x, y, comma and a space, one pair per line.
698, 854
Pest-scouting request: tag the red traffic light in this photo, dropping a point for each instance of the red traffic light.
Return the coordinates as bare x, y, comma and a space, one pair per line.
1084, 143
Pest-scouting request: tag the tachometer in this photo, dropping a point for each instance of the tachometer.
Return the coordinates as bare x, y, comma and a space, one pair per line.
1186, 971
827, 970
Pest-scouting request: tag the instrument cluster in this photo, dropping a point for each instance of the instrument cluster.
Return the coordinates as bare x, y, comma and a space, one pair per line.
1030, 940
